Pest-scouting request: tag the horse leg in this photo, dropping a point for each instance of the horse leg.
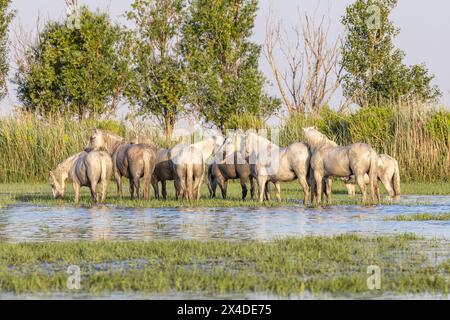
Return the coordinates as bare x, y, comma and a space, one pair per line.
267, 191
223, 188
304, 183
76, 189
197, 188
252, 188
262, 187
318, 183
182, 188
147, 183
387, 185
131, 188
244, 188
155, 187
118, 179
328, 183
349, 188
377, 190
94, 195
164, 189
278, 191
104, 190
362, 187
137, 186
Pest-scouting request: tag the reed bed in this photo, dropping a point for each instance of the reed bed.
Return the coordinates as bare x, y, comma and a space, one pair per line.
417, 136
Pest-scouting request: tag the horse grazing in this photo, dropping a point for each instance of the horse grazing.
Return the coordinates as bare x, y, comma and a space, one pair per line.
387, 172
275, 164
330, 160
234, 166
132, 161
188, 163
86, 170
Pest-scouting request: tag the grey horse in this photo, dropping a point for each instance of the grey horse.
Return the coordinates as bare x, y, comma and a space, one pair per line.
132, 161
387, 172
85, 169
275, 164
330, 160
232, 166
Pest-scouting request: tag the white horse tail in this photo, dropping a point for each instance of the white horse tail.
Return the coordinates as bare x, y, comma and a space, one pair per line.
148, 172
373, 173
396, 180
189, 192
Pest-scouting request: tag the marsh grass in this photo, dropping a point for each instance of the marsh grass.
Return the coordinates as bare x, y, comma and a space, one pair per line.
421, 217
286, 266
291, 193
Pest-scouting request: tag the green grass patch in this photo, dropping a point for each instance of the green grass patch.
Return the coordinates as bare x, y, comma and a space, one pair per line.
421, 217
335, 265
291, 193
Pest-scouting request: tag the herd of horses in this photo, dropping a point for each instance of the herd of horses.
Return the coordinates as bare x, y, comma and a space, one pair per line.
248, 157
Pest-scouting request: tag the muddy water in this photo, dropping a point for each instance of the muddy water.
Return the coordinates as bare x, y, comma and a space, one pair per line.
46, 223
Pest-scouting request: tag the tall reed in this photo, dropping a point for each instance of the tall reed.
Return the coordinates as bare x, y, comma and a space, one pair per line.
417, 136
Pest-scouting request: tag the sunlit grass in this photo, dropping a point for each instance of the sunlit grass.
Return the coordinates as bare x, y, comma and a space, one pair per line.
315, 264
292, 194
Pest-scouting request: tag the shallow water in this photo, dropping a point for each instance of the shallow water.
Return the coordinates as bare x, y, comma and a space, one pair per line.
231, 296
49, 223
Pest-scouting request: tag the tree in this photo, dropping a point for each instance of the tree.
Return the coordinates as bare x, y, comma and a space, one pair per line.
5, 18
160, 81
313, 73
375, 70
223, 62
75, 67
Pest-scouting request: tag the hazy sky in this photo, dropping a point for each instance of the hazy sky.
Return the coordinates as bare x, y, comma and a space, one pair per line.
425, 28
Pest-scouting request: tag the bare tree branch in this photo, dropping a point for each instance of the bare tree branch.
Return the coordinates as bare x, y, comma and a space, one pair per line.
312, 73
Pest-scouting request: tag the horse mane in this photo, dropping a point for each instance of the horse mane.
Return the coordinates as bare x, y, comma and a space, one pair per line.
267, 143
112, 140
66, 165
317, 140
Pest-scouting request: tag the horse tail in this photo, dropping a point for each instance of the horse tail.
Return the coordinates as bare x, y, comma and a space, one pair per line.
148, 172
190, 180
396, 179
373, 173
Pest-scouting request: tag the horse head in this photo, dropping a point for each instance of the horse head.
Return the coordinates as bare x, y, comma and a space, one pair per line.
58, 185
96, 141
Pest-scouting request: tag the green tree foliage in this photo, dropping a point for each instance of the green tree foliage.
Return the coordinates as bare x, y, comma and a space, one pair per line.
223, 62
5, 19
375, 70
160, 80
76, 67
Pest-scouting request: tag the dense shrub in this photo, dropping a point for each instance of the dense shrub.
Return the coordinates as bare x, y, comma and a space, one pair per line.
439, 126
373, 125
245, 122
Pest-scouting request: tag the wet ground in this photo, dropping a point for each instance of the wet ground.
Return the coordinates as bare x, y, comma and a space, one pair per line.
49, 223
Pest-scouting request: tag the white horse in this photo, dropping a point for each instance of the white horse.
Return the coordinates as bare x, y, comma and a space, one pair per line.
275, 164
85, 169
189, 165
330, 160
387, 172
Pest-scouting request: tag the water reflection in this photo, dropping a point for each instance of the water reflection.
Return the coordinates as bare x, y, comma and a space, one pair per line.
41, 223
